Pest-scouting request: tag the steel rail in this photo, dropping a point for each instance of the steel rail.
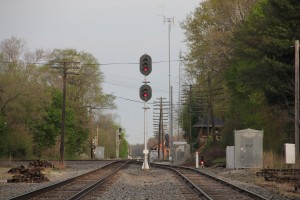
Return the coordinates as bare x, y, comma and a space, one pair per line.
92, 187
195, 188
57, 185
234, 187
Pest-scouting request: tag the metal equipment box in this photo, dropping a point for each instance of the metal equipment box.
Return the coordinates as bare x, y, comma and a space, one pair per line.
99, 152
248, 148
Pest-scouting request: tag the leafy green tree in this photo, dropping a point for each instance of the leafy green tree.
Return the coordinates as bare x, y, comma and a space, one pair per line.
46, 130
22, 97
123, 152
84, 91
260, 78
209, 32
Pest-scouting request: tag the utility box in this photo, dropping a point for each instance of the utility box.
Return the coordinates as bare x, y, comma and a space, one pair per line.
182, 151
290, 153
230, 157
99, 152
153, 155
248, 148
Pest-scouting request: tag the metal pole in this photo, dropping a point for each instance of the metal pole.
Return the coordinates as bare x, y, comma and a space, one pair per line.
297, 98
145, 163
170, 103
170, 20
171, 132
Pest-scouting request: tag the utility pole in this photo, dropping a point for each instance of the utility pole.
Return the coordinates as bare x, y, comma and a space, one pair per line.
179, 97
92, 145
169, 21
297, 98
63, 117
210, 103
190, 109
65, 69
118, 138
160, 128
159, 121
190, 116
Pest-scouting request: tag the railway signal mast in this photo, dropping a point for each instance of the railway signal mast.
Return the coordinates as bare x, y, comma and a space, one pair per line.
145, 95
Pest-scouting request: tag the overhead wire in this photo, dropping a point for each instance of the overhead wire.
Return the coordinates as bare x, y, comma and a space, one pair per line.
105, 64
113, 63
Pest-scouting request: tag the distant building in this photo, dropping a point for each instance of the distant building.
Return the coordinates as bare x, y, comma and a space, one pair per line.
204, 129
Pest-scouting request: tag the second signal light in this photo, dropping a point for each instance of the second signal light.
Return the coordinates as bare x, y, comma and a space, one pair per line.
145, 69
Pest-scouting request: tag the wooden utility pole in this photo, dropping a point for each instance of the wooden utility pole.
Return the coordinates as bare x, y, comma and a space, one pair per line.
190, 109
63, 117
65, 69
92, 145
297, 98
160, 127
159, 122
211, 111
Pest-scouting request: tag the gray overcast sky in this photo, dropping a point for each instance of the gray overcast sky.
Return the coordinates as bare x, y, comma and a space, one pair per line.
114, 31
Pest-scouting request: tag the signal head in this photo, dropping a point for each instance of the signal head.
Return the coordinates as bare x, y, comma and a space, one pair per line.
145, 64
145, 92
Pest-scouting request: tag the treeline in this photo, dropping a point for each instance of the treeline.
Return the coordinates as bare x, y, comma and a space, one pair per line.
240, 59
31, 103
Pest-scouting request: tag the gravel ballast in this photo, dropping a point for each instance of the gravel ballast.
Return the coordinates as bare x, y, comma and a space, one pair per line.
135, 183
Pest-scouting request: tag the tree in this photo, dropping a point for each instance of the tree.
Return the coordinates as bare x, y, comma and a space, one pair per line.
84, 91
209, 32
260, 78
123, 146
22, 97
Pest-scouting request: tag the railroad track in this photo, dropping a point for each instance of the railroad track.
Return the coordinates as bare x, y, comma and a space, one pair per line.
77, 187
209, 187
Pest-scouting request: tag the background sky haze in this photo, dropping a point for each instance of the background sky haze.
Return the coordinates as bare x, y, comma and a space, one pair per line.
113, 31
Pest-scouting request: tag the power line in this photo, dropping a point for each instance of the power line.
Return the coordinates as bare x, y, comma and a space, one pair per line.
132, 87
130, 99
87, 64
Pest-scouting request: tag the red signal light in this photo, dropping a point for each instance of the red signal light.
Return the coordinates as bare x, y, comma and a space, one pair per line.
145, 92
145, 64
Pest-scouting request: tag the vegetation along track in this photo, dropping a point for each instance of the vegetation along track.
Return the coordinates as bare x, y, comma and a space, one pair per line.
77, 187
210, 187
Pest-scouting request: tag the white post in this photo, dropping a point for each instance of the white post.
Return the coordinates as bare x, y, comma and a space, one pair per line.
197, 160
145, 151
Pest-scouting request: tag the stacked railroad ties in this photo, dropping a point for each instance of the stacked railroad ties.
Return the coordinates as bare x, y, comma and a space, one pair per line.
145, 95
31, 174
